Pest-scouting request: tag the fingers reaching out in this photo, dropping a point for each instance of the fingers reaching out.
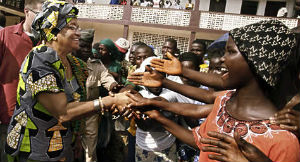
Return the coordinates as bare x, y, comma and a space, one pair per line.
288, 119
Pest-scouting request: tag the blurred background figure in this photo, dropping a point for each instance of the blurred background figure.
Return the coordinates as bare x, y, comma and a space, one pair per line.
85, 44
2, 20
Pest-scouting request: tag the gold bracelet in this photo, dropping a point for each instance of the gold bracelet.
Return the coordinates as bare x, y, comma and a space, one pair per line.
97, 106
101, 105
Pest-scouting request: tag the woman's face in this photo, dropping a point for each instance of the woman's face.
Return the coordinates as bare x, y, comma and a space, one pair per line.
236, 70
103, 50
69, 36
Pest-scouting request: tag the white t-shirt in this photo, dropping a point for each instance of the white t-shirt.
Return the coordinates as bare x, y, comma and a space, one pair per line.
154, 140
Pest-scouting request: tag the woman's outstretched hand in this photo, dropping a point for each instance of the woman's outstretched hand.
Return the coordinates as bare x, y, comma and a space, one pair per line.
172, 66
225, 146
121, 101
151, 78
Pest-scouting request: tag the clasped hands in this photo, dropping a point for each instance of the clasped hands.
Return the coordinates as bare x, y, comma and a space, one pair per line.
128, 104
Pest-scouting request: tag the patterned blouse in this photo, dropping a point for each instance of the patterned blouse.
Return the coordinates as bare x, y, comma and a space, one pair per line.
279, 145
33, 132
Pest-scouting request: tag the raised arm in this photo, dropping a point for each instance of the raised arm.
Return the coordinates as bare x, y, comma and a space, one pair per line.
155, 79
178, 131
202, 95
189, 110
174, 67
56, 104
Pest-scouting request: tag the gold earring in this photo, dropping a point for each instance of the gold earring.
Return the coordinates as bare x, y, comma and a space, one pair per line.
54, 38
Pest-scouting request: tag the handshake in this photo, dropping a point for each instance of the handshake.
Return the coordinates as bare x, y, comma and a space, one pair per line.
127, 104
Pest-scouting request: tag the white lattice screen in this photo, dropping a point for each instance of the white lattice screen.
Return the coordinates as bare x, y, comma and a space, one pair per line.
157, 41
160, 16
219, 21
98, 11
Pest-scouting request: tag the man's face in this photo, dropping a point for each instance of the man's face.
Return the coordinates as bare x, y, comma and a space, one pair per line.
131, 54
168, 47
85, 50
140, 55
198, 49
30, 14
189, 65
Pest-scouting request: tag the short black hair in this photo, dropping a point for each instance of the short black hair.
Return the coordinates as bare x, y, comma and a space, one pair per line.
189, 56
199, 41
147, 48
215, 52
2, 20
173, 41
138, 43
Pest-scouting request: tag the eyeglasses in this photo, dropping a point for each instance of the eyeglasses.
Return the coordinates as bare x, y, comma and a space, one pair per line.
35, 12
73, 27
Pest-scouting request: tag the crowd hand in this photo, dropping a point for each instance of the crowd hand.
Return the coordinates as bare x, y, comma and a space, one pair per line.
225, 146
172, 66
287, 119
121, 101
137, 100
116, 88
126, 112
151, 78
252, 153
153, 114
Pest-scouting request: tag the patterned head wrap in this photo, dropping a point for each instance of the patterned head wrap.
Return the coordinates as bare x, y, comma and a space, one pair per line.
55, 15
267, 46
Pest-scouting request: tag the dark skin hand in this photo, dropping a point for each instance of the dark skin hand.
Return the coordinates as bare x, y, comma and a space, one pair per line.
155, 79
288, 118
225, 146
174, 67
115, 87
188, 110
148, 79
178, 131
252, 153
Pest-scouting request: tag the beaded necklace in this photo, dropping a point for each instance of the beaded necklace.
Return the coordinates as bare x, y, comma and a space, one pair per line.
79, 69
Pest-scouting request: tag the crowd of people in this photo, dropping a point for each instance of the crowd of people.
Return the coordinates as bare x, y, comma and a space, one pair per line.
66, 99
175, 4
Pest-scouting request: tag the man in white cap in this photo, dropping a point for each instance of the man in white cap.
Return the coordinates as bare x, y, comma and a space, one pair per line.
122, 45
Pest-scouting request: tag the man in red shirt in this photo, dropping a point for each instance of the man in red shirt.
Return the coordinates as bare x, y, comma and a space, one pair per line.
15, 43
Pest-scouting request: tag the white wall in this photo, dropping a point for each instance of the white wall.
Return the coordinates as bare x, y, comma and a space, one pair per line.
102, 31
204, 5
233, 6
208, 35
261, 7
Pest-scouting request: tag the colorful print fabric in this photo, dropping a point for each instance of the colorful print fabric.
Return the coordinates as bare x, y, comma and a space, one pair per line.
54, 17
33, 132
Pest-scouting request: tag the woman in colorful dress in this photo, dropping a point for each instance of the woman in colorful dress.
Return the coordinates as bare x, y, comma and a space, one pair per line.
50, 90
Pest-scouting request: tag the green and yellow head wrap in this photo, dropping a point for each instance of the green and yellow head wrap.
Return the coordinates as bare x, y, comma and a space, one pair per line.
55, 15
